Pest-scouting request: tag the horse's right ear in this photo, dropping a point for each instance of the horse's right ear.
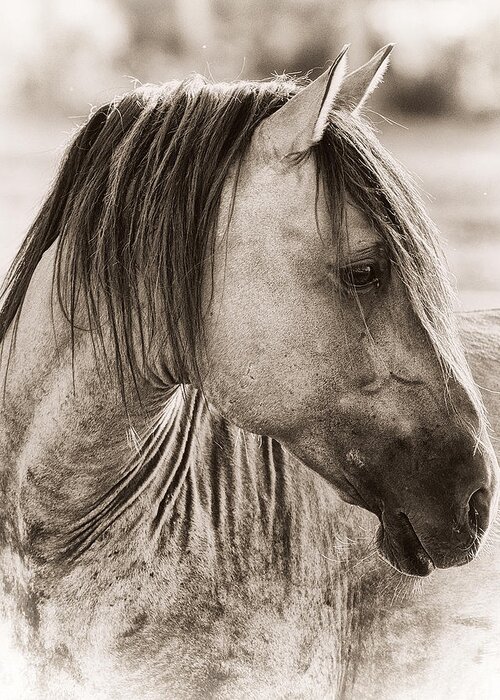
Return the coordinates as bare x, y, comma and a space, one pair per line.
301, 122
360, 84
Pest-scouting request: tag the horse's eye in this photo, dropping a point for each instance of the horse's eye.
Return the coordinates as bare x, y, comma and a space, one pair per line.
361, 276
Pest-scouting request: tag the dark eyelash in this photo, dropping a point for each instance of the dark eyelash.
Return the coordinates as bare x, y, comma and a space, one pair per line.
364, 275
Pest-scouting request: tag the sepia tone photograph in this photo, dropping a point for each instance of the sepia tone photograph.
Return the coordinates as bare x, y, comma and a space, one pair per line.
250, 350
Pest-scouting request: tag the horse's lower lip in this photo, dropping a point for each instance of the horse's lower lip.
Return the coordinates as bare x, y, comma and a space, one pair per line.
402, 549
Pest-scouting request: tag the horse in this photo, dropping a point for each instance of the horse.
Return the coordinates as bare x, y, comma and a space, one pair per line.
242, 451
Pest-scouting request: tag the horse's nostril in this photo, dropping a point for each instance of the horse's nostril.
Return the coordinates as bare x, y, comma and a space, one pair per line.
479, 511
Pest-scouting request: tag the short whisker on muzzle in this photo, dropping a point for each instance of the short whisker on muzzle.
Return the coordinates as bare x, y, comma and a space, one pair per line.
402, 584
487, 544
473, 522
406, 588
474, 545
477, 534
371, 554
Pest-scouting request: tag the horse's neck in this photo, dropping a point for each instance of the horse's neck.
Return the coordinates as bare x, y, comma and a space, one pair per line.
76, 459
66, 425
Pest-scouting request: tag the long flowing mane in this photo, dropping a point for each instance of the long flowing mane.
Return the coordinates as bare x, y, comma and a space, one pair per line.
134, 209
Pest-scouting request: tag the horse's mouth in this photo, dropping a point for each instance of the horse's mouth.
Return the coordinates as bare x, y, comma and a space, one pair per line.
400, 546
397, 541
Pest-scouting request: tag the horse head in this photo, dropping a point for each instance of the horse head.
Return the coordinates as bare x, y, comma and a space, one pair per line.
328, 325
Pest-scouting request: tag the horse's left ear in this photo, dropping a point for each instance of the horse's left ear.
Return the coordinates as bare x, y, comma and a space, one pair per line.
301, 122
360, 84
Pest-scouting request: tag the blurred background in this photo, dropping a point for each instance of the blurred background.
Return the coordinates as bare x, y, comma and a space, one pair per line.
440, 100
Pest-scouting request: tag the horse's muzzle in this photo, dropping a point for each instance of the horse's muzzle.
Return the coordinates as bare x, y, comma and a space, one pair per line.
416, 548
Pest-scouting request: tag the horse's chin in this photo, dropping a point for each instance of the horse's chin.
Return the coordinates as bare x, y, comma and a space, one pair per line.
401, 548
398, 545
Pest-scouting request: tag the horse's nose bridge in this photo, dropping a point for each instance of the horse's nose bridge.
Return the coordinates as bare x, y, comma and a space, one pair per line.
408, 391
446, 460
428, 416
427, 450
392, 358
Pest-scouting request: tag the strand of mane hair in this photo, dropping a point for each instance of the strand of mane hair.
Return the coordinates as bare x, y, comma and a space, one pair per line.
47, 225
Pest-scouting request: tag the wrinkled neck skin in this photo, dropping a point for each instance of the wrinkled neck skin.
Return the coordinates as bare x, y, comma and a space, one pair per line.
213, 564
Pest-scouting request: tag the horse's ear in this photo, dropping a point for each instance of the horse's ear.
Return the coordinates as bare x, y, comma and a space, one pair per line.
301, 122
360, 84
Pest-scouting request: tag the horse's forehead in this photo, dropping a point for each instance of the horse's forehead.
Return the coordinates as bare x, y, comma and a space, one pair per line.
355, 219
276, 196
263, 179
290, 199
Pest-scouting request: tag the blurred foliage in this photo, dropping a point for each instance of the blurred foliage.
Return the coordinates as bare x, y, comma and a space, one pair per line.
57, 55
448, 59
